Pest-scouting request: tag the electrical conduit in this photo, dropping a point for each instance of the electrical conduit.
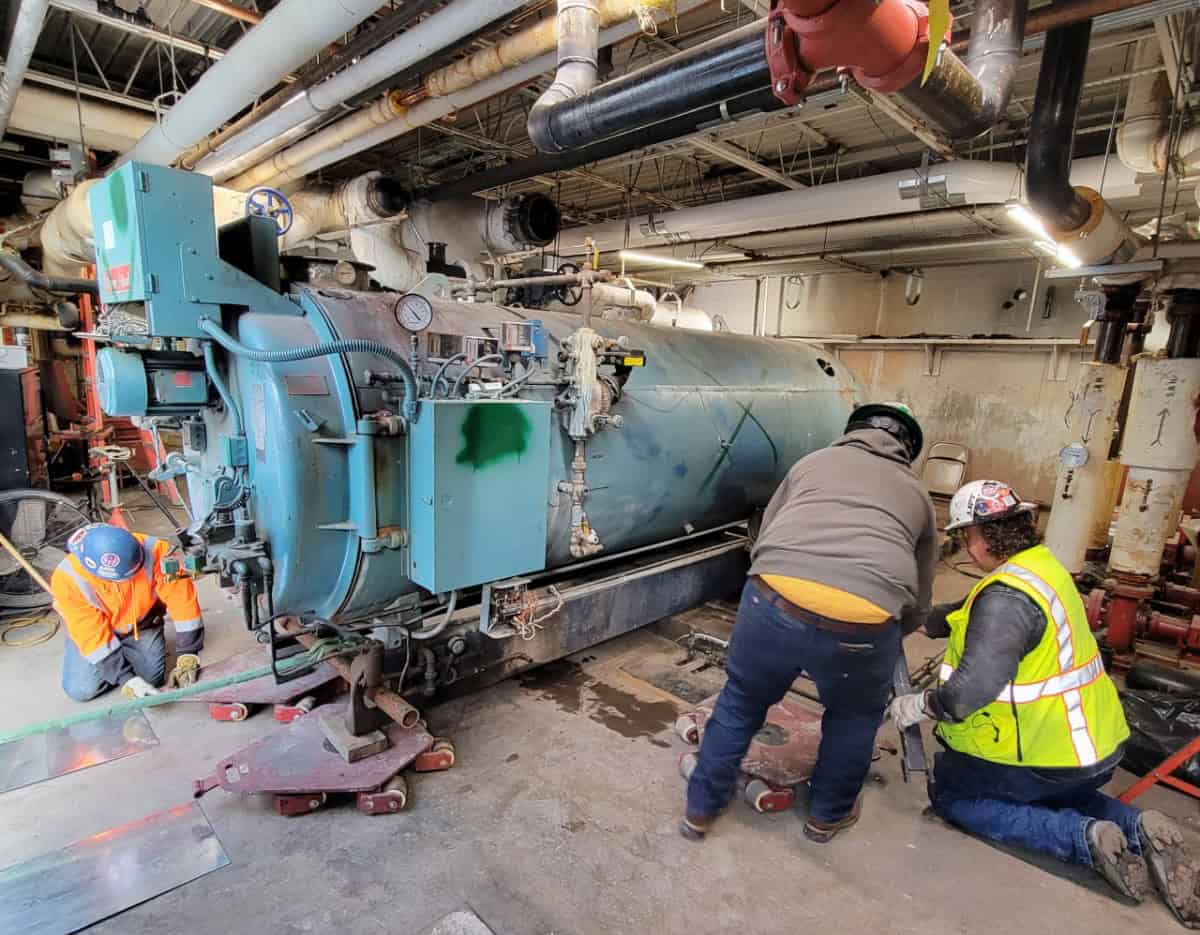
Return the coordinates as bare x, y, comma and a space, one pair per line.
322, 349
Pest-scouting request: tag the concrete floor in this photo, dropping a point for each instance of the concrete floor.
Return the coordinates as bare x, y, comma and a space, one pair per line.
559, 818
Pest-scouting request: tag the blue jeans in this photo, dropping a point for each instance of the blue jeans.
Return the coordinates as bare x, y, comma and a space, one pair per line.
1036, 809
147, 656
768, 651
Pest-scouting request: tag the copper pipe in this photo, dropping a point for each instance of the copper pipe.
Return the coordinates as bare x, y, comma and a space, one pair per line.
231, 9
387, 701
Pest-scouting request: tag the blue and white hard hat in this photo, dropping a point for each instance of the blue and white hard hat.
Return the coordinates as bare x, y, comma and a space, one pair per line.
108, 552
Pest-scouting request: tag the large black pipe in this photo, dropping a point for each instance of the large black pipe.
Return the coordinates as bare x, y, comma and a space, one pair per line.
1052, 130
761, 101
726, 67
38, 280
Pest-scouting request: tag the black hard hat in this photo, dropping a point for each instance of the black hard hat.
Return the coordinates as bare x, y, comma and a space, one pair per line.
885, 416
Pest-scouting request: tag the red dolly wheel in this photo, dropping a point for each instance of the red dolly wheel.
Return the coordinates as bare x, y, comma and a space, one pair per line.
438, 757
686, 729
763, 797
392, 798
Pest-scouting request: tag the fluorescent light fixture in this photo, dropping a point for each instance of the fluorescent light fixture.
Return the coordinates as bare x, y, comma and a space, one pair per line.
1018, 213
670, 262
1021, 215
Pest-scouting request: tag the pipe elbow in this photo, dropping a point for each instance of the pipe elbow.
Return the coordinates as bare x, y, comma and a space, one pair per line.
538, 125
1141, 144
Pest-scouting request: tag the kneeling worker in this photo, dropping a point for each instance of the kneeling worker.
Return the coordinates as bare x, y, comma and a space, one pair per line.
112, 594
1032, 724
848, 546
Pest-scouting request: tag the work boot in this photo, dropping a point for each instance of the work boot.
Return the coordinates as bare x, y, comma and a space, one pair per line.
695, 827
1175, 874
1113, 860
822, 832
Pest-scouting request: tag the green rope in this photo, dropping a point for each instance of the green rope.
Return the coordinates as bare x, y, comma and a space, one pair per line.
317, 653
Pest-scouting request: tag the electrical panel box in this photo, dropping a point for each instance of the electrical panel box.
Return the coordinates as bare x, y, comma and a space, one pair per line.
479, 476
156, 239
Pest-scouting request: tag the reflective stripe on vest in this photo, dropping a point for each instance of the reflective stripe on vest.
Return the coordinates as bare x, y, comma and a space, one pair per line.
148, 545
1027, 692
1081, 739
82, 585
96, 655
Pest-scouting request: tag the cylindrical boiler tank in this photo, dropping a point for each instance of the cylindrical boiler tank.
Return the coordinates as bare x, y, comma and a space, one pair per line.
711, 424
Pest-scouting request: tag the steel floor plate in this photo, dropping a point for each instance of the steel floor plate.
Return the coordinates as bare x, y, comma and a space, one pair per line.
299, 759
263, 690
94, 879
69, 749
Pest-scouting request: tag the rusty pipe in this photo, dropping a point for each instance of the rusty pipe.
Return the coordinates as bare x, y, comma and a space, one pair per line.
966, 97
389, 702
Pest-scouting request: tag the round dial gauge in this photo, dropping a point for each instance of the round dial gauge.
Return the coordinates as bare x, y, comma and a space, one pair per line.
1074, 456
413, 312
345, 273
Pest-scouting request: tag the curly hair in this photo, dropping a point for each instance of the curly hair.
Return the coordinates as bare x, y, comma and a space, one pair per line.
1006, 537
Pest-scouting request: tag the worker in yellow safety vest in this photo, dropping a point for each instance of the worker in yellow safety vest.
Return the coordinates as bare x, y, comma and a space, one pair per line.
113, 594
1031, 723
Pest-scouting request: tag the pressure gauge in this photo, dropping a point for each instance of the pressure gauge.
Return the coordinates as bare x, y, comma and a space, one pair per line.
345, 273
413, 312
1074, 456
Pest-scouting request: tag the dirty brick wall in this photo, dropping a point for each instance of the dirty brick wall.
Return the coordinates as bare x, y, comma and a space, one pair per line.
1005, 405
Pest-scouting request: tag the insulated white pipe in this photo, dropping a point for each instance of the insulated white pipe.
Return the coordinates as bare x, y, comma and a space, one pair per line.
288, 36
386, 119
875, 196
31, 14
444, 28
53, 115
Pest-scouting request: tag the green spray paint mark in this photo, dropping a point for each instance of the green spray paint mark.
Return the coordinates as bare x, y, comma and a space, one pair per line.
491, 433
117, 201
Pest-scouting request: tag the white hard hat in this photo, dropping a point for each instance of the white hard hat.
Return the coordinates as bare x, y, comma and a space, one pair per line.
983, 501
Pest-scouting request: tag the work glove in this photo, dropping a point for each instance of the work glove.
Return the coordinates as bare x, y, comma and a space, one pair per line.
909, 710
138, 687
186, 671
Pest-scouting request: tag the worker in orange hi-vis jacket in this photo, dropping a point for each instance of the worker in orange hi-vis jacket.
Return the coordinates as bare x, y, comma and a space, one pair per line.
113, 595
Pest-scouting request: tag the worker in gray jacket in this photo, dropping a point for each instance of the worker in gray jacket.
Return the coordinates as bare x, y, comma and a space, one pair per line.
848, 548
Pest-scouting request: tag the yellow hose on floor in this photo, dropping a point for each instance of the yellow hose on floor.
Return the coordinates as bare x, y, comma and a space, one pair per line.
23, 623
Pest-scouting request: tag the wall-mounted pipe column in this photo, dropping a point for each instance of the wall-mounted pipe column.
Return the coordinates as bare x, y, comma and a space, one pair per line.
1082, 504
1077, 218
27, 26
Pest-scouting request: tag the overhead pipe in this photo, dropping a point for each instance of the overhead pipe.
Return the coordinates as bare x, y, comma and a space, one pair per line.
231, 10
525, 45
975, 181
1076, 217
578, 67
381, 30
114, 17
706, 118
30, 16
727, 66
52, 115
966, 97
445, 27
292, 33
356, 133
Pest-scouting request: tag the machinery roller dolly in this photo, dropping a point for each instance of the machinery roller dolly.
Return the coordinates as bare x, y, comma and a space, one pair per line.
303, 772
782, 754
